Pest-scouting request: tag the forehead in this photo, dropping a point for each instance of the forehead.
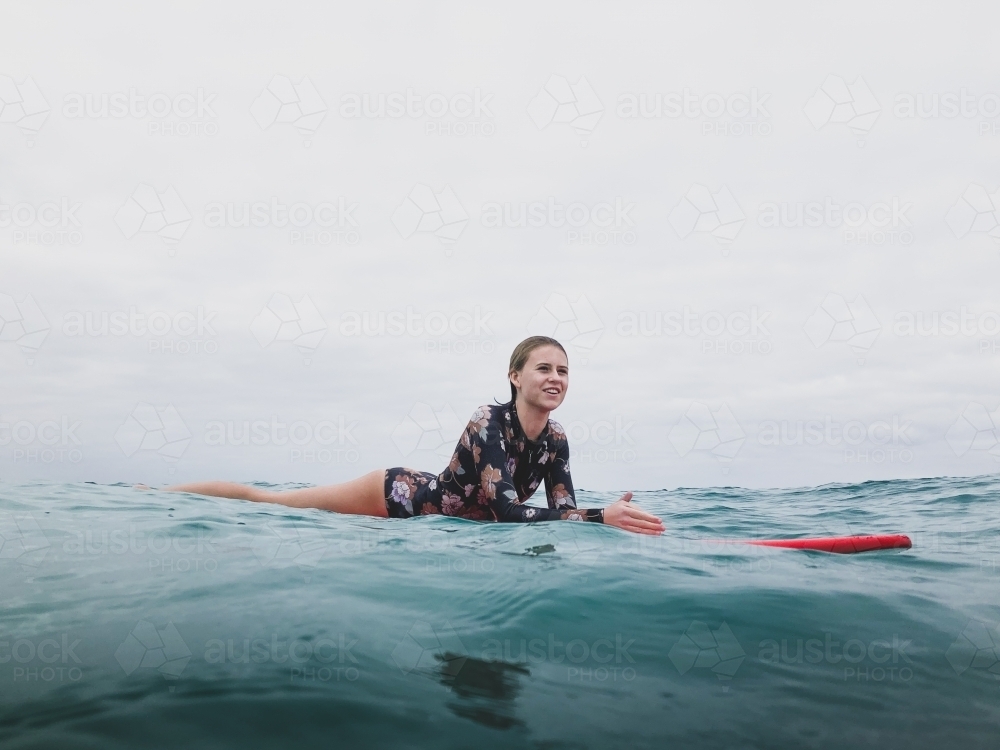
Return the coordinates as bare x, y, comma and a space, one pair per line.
547, 355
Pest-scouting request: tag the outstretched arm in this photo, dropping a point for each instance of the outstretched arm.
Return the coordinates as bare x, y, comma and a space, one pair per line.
559, 493
489, 450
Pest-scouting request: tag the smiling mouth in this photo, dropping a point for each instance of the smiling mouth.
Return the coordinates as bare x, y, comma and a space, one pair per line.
552, 391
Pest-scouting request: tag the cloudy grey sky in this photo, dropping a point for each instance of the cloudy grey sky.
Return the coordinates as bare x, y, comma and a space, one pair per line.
316, 231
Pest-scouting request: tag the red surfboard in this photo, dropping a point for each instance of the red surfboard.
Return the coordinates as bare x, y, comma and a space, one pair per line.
844, 545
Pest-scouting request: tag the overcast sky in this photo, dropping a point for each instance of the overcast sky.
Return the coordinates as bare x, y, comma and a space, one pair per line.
764, 237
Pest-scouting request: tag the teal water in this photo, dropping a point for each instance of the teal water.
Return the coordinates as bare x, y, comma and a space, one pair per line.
136, 619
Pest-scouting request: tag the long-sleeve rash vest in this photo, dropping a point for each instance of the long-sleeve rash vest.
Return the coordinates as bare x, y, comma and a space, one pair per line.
494, 469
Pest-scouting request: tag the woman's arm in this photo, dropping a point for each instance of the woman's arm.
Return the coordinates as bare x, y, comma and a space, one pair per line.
559, 493
558, 481
496, 486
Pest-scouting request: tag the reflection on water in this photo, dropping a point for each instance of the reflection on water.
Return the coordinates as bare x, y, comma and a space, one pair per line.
485, 691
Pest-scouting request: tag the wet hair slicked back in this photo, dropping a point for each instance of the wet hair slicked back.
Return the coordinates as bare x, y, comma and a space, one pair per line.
519, 357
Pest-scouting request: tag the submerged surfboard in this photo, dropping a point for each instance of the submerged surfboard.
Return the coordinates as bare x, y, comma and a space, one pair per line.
844, 545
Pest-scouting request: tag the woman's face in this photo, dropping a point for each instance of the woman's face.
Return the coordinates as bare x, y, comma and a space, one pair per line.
545, 378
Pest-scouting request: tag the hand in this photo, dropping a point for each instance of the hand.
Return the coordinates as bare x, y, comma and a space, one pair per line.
626, 516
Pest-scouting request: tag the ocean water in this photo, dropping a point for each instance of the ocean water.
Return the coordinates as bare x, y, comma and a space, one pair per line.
142, 619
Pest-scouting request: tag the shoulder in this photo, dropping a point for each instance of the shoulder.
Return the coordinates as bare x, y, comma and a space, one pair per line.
558, 433
489, 414
489, 411
493, 412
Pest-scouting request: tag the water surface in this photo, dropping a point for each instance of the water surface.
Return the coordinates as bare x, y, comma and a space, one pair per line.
136, 619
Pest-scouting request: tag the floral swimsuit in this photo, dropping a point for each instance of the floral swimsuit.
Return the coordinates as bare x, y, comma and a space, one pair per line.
494, 469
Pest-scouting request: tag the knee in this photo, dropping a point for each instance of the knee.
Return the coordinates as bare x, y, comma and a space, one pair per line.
259, 495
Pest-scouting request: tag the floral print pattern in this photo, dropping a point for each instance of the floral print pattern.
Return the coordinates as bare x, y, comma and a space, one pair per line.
494, 469
450, 504
404, 487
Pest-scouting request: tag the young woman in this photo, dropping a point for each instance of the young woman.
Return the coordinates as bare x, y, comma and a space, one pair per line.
505, 452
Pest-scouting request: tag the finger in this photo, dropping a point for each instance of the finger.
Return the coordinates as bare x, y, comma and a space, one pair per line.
626, 497
633, 512
644, 524
639, 530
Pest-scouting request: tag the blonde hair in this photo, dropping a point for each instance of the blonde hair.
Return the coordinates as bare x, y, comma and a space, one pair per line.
519, 357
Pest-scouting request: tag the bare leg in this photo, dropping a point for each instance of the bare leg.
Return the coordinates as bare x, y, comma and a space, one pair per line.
364, 496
